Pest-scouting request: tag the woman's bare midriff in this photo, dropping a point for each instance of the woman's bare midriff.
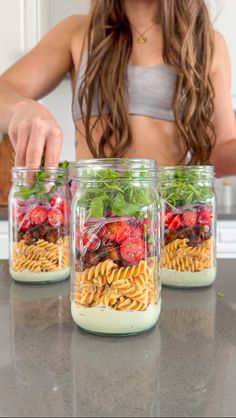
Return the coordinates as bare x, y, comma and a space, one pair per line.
152, 139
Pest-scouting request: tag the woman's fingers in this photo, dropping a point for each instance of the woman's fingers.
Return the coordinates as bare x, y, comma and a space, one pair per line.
53, 147
33, 131
36, 144
22, 140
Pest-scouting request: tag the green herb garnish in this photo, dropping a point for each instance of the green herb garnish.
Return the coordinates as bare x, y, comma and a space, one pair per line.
185, 188
38, 189
124, 194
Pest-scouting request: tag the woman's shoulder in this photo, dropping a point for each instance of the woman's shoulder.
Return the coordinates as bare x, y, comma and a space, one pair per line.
78, 41
221, 53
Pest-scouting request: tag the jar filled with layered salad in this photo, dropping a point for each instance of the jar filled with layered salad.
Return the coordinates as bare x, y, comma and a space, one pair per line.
115, 275
39, 214
188, 253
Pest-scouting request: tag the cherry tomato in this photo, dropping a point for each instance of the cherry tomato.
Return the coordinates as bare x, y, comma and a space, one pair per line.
24, 224
55, 217
57, 202
168, 218
88, 240
136, 231
116, 231
190, 218
176, 223
205, 217
93, 240
38, 216
133, 250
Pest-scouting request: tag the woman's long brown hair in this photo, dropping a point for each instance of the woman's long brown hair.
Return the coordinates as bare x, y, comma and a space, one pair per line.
188, 46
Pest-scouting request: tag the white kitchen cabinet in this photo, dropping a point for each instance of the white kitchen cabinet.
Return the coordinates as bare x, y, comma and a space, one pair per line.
4, 240
226, 239
22, 23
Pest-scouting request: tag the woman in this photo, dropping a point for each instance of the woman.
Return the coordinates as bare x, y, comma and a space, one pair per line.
150, 80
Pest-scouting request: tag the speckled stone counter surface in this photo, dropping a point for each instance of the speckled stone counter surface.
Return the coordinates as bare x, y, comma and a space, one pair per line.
186, 366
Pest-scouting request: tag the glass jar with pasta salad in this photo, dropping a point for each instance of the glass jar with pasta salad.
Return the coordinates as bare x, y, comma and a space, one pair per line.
39, 214
188, 253
115, 268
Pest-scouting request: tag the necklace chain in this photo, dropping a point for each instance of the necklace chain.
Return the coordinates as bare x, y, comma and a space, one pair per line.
142, 39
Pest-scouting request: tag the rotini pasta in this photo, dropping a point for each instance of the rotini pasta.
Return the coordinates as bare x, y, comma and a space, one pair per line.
180, 256
42, 256
124, 288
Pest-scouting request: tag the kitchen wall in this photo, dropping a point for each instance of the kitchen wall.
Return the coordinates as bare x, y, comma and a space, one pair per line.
59, 102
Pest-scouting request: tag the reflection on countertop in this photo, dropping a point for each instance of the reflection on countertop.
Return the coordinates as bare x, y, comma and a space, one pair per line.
185, 366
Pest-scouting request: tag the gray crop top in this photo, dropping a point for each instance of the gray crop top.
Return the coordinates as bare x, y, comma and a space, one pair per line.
150, 91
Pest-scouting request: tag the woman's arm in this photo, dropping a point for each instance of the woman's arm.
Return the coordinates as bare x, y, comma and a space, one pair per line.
224, 153
31, 127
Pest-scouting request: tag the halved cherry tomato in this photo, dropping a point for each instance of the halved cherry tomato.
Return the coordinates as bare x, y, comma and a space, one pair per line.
136, 231
205, 217
189, 218
86, 239
24, 224
133, 250
57, 202
168, 218
176, 223
116, 231
38, 216
55, 217
93, 240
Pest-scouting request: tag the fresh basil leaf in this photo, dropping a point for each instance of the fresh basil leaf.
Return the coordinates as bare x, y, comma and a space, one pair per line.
96, 208
121, 208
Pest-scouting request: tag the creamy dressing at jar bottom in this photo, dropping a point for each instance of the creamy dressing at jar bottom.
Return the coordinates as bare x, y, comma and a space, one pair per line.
29, 277
108, 321
188, 279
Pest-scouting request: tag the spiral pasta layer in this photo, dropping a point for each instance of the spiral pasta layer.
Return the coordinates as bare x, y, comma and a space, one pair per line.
179, 256
120, 288
42, 256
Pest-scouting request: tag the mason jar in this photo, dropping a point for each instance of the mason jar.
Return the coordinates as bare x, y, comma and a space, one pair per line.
188, 250
115, 252
39, 215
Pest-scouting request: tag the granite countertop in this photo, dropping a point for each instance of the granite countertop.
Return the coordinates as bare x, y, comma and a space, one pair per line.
185, 366
224, 213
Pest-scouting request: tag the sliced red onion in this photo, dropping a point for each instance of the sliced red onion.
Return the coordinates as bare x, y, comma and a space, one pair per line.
62, 192
44, 204
108, 220
180, 210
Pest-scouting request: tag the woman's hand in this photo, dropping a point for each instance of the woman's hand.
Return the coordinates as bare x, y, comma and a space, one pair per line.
33, 130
